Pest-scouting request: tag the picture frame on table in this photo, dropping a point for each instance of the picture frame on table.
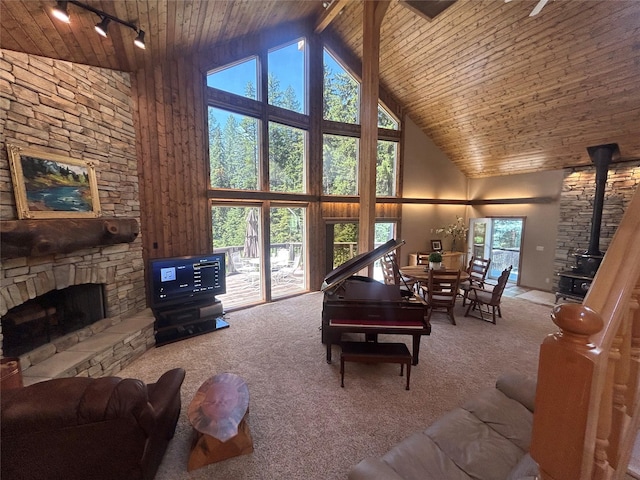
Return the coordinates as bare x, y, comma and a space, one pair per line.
47, 185
436, 245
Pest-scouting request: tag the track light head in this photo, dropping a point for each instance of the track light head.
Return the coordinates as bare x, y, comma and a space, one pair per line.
139, 41
101, 27
60, 12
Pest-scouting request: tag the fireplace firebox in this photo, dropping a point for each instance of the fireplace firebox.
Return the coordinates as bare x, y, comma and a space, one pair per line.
50, 316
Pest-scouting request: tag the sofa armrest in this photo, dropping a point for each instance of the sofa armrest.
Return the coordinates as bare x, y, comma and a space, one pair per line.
518, 387
161, 392
373, 469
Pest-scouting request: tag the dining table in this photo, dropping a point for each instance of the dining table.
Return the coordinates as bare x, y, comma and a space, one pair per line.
421, 273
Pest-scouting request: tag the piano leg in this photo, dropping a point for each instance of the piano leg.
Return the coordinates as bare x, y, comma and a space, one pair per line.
328, 352
416, 349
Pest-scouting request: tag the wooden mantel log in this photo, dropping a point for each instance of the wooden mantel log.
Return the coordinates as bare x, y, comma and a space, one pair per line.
33, 238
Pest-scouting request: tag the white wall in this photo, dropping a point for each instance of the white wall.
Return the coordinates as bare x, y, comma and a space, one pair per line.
541, 219
428, 174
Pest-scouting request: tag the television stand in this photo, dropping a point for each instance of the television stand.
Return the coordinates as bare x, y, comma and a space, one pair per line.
178, 322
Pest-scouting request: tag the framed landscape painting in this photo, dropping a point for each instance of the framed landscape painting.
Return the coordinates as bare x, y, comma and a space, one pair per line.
52, 186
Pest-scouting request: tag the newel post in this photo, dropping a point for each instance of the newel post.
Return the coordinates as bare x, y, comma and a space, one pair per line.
566, 372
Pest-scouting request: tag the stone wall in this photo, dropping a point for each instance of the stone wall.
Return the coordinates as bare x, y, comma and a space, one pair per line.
84, 113
576, 208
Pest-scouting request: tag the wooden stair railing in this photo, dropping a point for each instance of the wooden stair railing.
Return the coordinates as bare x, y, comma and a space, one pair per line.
587, 405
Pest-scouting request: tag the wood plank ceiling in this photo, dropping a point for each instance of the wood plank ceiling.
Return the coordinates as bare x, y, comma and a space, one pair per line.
498, 91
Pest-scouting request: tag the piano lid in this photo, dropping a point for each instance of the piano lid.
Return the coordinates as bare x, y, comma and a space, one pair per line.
357, 263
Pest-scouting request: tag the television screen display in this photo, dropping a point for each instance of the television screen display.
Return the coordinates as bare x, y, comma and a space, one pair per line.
187, 279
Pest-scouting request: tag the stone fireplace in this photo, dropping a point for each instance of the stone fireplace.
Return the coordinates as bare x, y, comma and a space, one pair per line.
68, 299
87, 113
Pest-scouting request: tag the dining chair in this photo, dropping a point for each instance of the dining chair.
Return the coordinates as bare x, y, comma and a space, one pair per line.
422, 258
442, 291
477, 270
486, 300
391, 273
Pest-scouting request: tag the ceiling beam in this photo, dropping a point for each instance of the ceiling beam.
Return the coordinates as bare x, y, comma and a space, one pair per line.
332, 11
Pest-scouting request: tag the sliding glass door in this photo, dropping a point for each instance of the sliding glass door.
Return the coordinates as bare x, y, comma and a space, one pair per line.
499, 239
287, 251
237, 231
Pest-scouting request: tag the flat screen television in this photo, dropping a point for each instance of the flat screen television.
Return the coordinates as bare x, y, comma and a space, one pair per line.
183, 280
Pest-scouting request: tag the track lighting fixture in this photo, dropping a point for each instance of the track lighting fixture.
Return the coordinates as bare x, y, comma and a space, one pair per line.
60, 12
101, 28
139, 41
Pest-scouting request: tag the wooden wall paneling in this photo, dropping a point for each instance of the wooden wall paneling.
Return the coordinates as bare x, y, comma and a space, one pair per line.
183, 212
391, 211
205, 233
165, 162
339, 210
143, 87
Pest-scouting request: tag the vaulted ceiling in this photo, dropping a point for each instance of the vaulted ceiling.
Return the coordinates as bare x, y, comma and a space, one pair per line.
498, 91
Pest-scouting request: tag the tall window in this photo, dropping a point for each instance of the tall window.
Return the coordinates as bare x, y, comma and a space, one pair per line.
386, 168
233, 150
286, 158
240, 78
259, 164
340, 165
341, 93
341, 104
286, 77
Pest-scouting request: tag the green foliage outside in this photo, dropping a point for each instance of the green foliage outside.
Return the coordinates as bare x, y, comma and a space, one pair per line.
507, 233
234, 158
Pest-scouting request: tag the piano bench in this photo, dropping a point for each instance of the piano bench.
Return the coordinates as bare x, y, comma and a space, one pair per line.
374, 352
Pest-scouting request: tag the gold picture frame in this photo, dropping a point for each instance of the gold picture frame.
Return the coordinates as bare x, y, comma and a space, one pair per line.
46, 185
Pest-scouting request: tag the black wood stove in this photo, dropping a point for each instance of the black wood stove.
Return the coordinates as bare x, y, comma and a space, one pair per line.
574, 284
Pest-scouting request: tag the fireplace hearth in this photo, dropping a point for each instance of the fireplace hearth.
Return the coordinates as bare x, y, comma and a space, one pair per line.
574, 284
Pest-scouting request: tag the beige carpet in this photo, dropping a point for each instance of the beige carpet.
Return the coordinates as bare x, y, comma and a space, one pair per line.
304, 425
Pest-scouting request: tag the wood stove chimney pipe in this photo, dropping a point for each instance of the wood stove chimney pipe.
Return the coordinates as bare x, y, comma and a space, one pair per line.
601, 156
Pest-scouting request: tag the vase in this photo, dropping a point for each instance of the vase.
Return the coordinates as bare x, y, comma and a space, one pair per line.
435, 265
453, 245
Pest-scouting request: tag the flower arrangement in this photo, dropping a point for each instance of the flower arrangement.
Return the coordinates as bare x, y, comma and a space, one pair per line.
457, 230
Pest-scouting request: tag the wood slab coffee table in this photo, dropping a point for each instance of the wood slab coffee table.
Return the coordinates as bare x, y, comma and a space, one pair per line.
218, 414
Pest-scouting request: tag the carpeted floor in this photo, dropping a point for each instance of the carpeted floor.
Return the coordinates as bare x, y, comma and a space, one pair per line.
305, 426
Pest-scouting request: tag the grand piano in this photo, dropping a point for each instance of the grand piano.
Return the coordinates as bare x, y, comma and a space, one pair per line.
358, 304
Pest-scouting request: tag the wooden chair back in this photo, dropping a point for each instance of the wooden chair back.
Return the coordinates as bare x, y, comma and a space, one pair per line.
498, 289
488, 301
422, 258
390, 271
442, 291
478, 269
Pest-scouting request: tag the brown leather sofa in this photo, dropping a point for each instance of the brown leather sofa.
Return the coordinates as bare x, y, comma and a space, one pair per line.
88, 428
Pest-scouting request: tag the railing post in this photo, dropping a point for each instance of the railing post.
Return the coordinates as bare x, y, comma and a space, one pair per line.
564, 394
